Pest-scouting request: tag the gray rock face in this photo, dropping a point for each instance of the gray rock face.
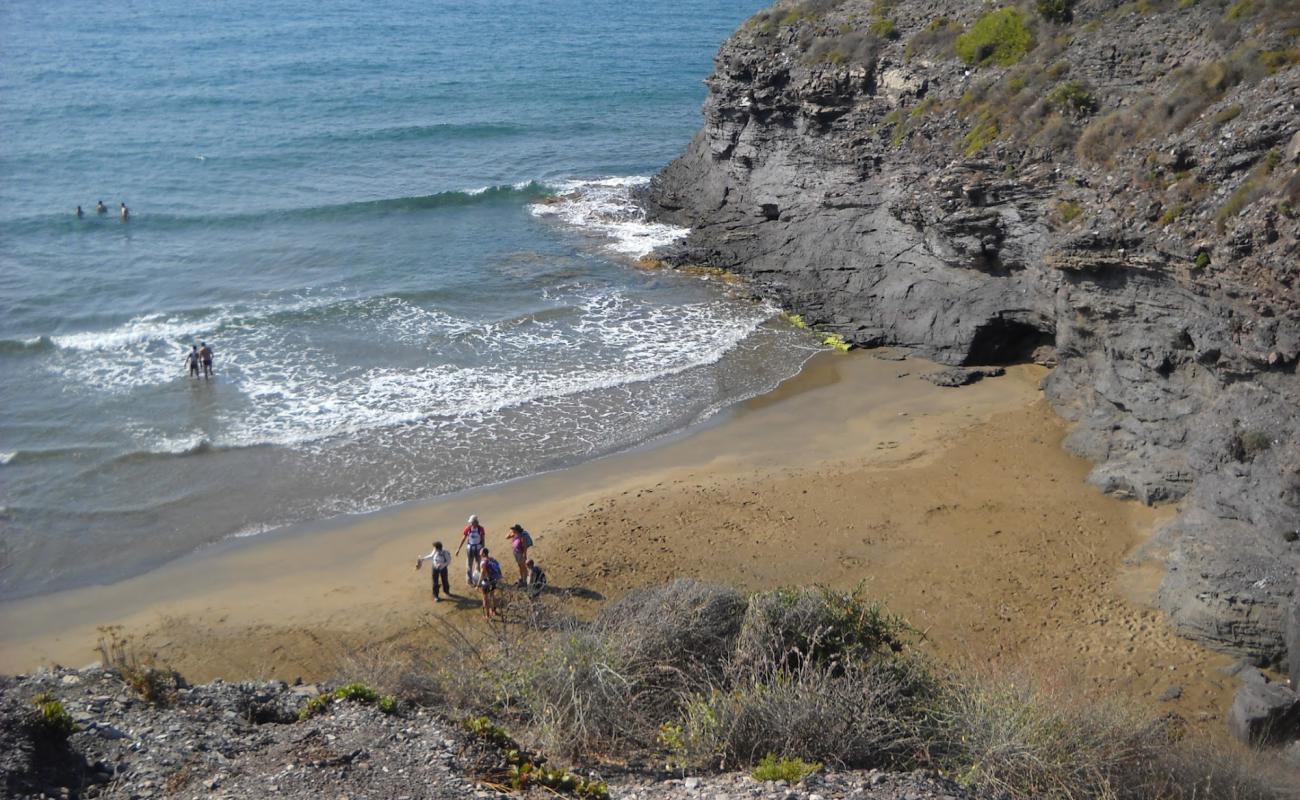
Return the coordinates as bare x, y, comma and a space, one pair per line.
848, 189
1264, 713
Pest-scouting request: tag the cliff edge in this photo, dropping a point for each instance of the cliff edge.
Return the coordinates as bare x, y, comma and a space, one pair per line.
1111, 188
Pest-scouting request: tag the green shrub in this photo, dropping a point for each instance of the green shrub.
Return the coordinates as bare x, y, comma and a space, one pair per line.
1060, 11
314, 706
999, 37
1226, 115
1202, 260
387, 704
1072, 98
1068, 210
790, 770
1239, 9
884, 27
356, 692
982, 134
1173, 213
52, 718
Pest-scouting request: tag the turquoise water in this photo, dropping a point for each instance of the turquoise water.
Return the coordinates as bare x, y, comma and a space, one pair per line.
406, 229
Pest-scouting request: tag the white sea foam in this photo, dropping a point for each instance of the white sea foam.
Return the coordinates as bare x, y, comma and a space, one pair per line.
605, 207
7, 456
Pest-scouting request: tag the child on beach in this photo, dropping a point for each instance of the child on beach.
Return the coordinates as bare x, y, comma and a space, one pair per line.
439, 560
474, 535
520, 541
489, 574
536, 579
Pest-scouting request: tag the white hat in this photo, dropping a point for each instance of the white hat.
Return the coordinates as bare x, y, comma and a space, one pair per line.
473, 519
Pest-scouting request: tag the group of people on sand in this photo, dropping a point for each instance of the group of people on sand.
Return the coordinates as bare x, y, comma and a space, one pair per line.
482, 570
199, 355
100, 208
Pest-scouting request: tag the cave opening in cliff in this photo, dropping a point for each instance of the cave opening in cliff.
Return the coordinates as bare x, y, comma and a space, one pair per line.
1004, 341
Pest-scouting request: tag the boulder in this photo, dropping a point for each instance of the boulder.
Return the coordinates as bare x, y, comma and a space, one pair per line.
1267, 713
1292, 638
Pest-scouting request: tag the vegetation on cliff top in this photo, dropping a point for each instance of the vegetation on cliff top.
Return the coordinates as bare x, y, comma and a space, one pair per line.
701, 676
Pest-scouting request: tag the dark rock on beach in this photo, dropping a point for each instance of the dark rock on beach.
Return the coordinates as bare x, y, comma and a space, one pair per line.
1264, 713
1097, 205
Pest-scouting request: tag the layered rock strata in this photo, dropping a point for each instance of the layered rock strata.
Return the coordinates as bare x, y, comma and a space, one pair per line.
1125, 192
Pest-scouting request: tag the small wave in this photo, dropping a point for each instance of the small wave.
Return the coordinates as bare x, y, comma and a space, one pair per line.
408, 133
7, 456
31, 344
504, 194
606, 207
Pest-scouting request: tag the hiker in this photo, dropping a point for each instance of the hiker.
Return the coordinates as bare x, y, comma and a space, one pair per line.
536, 579
474, 536
192, 358
489, 575
520, 541
439, 560
100, 208
205, 355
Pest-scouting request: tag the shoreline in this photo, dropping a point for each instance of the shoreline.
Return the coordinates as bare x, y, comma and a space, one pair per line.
955, 507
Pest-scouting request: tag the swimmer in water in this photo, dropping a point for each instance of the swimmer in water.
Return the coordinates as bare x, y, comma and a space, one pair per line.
125, 212
205, 355
192, 359
99, 207
80, 213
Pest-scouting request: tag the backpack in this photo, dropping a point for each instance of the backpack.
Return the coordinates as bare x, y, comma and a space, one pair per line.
527, 537
494, 569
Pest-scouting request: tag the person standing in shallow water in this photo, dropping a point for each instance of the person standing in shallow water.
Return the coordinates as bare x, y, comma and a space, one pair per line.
439, 559
205, 356
80, 213
474, 535
100, 208
192, 358
126, 213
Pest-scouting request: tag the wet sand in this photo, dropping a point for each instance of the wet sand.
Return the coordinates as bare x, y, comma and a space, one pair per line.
957, 507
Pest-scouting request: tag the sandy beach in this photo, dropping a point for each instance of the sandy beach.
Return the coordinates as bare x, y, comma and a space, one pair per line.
956, 507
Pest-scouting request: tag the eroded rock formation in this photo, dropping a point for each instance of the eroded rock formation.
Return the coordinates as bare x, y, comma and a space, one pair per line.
1125, 190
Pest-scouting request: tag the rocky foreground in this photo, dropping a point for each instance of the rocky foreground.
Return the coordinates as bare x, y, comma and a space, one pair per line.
246, 740
1111, 188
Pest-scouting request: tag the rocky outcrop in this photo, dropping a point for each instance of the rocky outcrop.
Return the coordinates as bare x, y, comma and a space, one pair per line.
245, 740
1126, 193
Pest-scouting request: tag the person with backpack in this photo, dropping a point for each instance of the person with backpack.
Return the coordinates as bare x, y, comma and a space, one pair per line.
536, 579
520, 541
489, 572
439, 560
475, 536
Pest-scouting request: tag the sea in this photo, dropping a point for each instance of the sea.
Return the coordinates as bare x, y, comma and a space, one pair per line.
407, 231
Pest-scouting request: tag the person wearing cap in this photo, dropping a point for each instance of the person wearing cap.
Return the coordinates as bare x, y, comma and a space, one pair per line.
520, 541
475, 537
439, 559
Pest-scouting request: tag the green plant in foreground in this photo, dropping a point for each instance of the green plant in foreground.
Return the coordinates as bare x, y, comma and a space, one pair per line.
796, 320
999, 37
790, 770
53, 718
357, 692
314, 706
387, 704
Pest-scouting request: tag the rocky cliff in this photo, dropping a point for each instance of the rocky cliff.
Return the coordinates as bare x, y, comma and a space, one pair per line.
1112, 188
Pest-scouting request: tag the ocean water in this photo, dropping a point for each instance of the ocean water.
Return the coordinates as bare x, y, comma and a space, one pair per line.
406, 229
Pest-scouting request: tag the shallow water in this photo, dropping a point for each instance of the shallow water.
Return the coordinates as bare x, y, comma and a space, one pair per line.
346, 202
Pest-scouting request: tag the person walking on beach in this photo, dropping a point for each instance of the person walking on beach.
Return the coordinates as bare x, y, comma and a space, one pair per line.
439, 560
489, 572
474, 536
520, 541
192, 358
125, 212
205, 355
100, 208
536, 579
